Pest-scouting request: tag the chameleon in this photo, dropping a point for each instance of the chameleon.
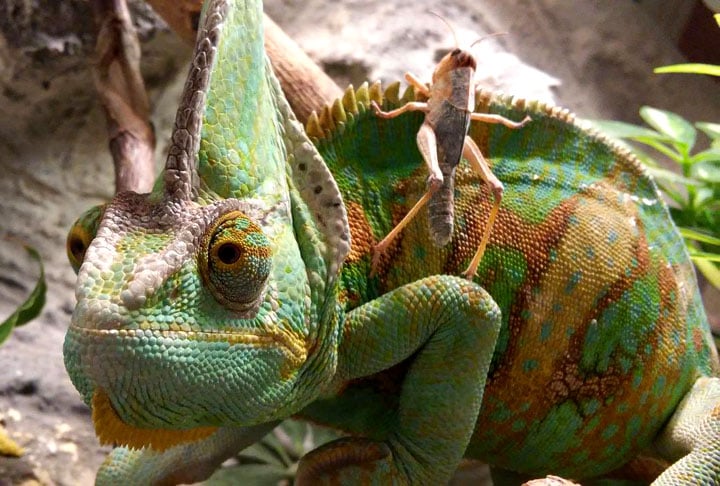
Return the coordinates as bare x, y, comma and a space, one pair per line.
238, 293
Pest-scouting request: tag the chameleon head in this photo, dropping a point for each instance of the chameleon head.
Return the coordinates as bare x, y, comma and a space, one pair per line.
178, 322
210, 301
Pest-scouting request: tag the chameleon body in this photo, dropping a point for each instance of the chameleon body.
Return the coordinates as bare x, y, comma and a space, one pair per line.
231, 297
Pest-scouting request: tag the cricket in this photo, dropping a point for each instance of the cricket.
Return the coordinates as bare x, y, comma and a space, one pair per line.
442, 140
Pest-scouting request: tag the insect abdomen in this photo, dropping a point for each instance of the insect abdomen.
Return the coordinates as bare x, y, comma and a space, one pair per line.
441, 208
450, 128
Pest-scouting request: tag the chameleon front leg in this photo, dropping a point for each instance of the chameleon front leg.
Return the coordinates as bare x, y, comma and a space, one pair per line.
692, 437
450, 325
182, 464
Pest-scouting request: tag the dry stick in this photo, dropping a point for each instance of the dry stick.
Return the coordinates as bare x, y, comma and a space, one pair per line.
122, 92
305, 85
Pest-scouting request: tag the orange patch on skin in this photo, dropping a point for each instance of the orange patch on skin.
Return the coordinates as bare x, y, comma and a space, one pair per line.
561, 380
698, 339
361, 233
546, 280
111, 430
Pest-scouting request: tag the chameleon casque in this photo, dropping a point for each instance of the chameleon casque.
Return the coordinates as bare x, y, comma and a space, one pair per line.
238, 293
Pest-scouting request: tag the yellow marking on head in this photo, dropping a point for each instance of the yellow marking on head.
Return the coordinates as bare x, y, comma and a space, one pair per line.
292, 345
111, 430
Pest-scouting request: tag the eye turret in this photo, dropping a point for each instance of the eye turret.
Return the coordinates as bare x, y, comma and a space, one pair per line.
81, 234
236, 261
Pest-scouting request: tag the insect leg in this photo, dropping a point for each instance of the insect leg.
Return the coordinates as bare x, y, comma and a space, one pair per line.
472, 153
489, 118
417, 84
411, 106
427, 143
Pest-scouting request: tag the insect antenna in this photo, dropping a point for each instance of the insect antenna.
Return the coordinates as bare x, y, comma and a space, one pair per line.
496, 34
446, 22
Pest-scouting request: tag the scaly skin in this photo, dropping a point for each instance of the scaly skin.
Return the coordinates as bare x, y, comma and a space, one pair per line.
217, 305
603, 330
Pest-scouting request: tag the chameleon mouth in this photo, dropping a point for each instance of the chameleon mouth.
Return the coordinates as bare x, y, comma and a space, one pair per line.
111, 430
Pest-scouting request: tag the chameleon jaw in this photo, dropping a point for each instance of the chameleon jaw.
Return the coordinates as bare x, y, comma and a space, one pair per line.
112, 430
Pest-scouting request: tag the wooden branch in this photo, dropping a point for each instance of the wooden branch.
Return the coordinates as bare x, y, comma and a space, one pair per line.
122, 93
306, 86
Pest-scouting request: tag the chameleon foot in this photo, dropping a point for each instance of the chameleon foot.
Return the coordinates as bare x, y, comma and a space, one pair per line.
692, 437
349, 461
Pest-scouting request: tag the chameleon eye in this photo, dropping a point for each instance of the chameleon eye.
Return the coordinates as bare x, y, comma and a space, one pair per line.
76, 244
237, 263
81, 234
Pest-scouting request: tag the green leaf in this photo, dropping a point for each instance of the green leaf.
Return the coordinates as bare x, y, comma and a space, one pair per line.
709, 155
670, 124
712, 130
697, 256
248, 475
677, 155
261, 453
690, 68
618, 129
670, 176
709, 270
695, 235
708, 172
32, 306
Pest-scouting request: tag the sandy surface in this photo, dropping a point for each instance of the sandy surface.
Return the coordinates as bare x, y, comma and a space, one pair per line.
55, 164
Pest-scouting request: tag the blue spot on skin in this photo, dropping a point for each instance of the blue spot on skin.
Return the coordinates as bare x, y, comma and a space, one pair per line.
557, 307
545, 331
591, 406
612, 236
590, 252
659, 386
530, 365
573, 281
553, 255
518, 425
625, 363
676, 337
609, 431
